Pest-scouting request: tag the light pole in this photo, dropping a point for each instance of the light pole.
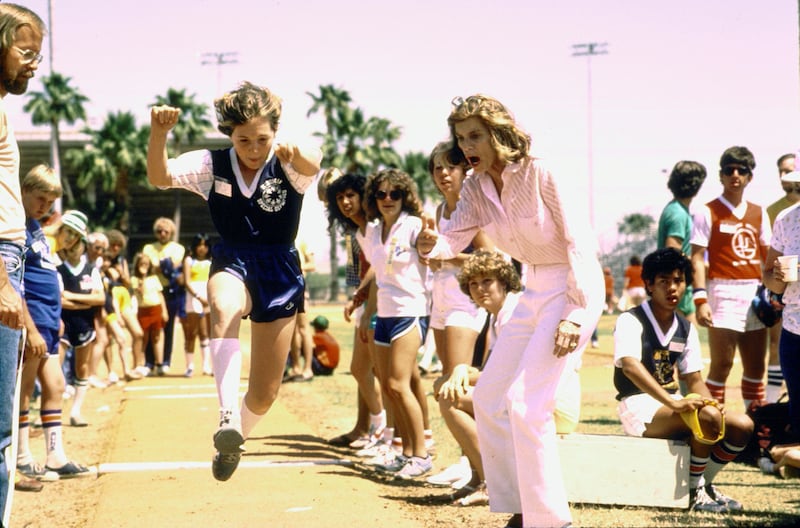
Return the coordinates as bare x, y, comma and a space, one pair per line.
219, 59
589, 50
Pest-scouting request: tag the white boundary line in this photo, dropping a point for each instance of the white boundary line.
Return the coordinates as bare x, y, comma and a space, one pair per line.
128, 467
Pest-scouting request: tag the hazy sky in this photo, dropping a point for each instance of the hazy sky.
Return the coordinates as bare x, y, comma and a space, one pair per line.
683, 79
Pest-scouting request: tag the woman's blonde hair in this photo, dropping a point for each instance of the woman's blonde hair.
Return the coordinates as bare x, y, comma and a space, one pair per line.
510, 142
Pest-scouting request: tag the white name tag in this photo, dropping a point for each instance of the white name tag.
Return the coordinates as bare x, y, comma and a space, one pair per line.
728, 229
222, 187
676, 346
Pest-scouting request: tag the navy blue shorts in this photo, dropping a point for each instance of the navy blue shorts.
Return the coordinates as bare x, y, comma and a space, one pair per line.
387, 329
271, 275
51, 339
78, 327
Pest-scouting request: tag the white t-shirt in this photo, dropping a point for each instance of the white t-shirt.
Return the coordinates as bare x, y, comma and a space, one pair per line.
399, 275
786, 240
12, 214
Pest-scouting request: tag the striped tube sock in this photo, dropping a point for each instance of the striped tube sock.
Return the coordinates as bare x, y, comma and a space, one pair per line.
721, 454
697, 466
51, 425
752, 390
717, 389
774, 383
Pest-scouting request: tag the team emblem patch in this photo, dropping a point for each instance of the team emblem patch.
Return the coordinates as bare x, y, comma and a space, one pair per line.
273, 195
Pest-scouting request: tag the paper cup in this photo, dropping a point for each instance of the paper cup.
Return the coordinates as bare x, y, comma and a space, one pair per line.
789, 266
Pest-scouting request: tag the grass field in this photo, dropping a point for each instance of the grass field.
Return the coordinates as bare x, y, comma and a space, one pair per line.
768, 501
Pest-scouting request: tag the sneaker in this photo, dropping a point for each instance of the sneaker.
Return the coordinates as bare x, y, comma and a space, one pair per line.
452, 474
133, 375
700, 501
164, 369
380, 447
113, 379
97, 383
228, 442
72, 470
394, 465
767, 466
415, 467
384, 459
224, 464
189, 373
460, 483
160, 370
207, 372
77, 421
36, 471
720, 498
144, 370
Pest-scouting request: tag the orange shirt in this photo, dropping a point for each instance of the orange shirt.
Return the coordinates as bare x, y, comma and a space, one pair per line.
326, 349
634, 276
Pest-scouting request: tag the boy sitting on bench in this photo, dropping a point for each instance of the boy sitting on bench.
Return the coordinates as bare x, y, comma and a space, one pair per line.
649, 341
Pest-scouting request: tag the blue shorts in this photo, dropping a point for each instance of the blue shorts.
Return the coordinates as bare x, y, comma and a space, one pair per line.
78, 327
271, 275
387, 329
51, 339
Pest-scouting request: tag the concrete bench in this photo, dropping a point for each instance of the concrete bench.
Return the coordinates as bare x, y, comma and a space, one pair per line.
624, 470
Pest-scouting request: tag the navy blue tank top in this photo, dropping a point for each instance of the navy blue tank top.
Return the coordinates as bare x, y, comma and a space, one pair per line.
270, 216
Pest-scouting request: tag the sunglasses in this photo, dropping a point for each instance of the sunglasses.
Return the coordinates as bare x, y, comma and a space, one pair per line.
394, 194
729, 170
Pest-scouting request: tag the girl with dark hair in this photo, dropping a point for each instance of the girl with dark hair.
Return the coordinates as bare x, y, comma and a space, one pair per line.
196, 323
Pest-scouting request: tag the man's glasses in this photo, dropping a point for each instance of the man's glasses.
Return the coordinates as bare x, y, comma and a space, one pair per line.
28, 56
394, 194
730, 169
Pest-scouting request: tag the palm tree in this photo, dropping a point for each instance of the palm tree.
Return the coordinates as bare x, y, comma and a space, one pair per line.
114, 159
415, 164
193, 124
353, 143
58, 102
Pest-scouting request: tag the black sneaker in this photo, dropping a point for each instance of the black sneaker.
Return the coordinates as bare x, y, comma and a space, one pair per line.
73, 470
35, 471
719, 498
228, 442
699, 500
224, 464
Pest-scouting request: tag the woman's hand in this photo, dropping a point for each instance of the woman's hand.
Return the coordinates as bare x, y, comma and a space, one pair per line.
566, 338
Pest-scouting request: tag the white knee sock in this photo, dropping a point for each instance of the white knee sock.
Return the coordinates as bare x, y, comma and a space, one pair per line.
54, 445
81, 388
227, 361
249, 419
205, 353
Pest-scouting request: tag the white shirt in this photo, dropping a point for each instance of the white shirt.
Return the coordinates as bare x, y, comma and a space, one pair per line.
628, 340
12, 214
531, 222
399, 275
786, 240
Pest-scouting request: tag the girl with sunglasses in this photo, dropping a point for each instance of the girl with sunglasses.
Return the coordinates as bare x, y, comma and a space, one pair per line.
389, 245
